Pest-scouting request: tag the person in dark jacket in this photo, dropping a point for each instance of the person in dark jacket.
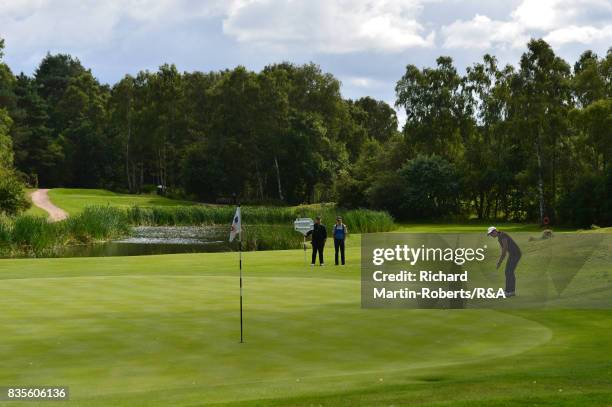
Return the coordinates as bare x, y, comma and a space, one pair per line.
509, 247
319, 236
340, 233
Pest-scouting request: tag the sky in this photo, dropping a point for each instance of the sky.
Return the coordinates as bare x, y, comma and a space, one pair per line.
365, 44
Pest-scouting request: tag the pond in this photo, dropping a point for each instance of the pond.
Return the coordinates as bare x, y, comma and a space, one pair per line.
147, 240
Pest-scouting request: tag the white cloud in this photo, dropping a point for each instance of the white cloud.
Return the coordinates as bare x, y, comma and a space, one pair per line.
40, 22
558, 21
548, 15
332, 26
537, 14
314, 26
582, 35
482, 32
79, 24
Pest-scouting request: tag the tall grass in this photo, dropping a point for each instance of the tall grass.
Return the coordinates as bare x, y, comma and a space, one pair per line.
34, 236
357, 220
6, 225
270, 237
266, 228
98, 223
180, 215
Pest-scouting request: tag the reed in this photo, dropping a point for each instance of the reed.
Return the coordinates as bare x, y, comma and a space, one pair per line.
29, 235
34, 235
266, 228
271, 237
358, 220
6, 226
97, 223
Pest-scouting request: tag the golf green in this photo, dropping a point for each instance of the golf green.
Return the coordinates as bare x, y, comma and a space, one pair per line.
164, 330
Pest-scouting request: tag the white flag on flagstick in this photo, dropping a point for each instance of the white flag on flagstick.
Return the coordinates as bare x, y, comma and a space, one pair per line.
236, 225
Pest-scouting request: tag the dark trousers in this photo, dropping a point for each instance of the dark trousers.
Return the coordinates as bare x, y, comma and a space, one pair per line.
510, 277
339, 244
317, 247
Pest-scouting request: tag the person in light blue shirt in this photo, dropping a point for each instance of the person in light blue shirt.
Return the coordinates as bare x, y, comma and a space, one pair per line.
339, 233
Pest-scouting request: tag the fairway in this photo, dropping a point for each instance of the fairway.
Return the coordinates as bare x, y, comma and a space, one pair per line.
75, 200
163, 330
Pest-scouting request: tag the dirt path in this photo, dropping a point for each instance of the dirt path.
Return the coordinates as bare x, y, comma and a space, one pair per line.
40, 198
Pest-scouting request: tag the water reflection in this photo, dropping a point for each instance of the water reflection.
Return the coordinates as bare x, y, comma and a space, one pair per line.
148, 240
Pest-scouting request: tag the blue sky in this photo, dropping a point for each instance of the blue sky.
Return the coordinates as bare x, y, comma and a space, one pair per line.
366, 44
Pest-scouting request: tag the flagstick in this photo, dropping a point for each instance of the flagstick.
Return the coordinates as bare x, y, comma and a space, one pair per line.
240, 244
240, 266
305, 264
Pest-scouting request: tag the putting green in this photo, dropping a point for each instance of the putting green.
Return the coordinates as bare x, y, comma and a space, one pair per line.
164, 330
109, 335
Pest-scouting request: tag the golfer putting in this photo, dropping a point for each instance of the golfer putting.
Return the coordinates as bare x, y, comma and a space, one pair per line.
509, 247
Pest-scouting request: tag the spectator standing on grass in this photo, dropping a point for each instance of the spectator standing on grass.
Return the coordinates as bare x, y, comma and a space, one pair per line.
319, 236
509, 247
340, 233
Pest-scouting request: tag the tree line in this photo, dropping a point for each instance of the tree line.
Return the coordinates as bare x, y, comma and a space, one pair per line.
530, 142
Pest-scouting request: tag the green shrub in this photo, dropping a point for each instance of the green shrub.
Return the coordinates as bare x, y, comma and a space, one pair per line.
588, 202
148, 188
12, 195
426, 187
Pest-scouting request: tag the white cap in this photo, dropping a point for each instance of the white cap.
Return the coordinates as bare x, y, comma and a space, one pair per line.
491, 230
